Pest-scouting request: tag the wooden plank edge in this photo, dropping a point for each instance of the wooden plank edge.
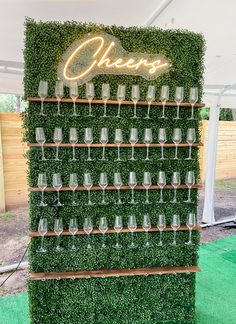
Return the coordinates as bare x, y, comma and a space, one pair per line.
112, 145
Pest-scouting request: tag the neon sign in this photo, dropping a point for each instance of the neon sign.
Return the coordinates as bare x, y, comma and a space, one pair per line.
102, 53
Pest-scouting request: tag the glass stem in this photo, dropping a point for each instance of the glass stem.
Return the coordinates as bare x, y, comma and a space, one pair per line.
161, 195
73, 197
42, 149
118, 112
89, 156
174, 237
160, 242
162, 152
58, 107
73, 149
89, 197
118, 193
74, 108
117, 238
147, 241
132, 191
147, 197
42, 197
148, 111
132, 156
89, 245
190, 237
192, 112
190, 152
58, 241
90, 108
147, 153
58, 196
189, 194
118, 152
105, 109
103, 152
41, 111
176, 152
135, 110
57, 151
177, 115
163, 110
132, 238
174, 200
42, 242
103, 239
103, 196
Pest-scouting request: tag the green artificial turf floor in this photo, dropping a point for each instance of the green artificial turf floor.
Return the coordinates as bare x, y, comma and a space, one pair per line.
216, 288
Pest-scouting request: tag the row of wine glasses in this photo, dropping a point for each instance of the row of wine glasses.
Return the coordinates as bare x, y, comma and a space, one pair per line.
118, 140
118, 183
118, 226
121, 94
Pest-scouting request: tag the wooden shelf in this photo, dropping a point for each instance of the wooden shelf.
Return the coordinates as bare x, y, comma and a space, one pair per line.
112, 231
115, 102
105, 273
112, 145
96, 188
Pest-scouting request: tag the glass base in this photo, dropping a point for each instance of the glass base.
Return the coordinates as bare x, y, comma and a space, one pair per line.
177, 118
90, 115
90, 204
74, 204
162, 159
132, 203
118, 160
189, 159
147, 245
163, 117
42, 114
147, 203
58, 249
104, 116
43, 159
103, 203
147, 159
174, 244
103, 159
174, 202
42, 205
117, 246
132, 159
132, 246
189, 243
73, 248
75, 115
89, 159
57, 160
175, 158
118, 116
188, 201
59, 204
58, 115
134, 117
192, 118
41, 250
119, 203
161, 202
147, 117
73, 160
160, 244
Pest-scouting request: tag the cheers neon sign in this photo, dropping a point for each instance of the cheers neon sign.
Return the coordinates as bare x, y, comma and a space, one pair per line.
102, 53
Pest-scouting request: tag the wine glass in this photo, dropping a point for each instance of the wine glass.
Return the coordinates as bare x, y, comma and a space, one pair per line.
191, 223
42, 184
88, 227
88, 140
73, 140
103, 228
175, 224
191, 138
133, 139
147, 182
161, 225
73, 229
161, 140
179, 96
88, 183
150, 98
103, 183
135, 98
73, 184
175, 182
57, 185
176, 138
120, 97
132, 226
42, 230
57, 139
147, 141
90, 96
146, 227
193, 98
40, 138
189, 181
164, 98
74, 96
161, 181
132, 184
105, 97
58, 229
118, 183
118, 141
43, 93
59, 93
104, 141
118, 225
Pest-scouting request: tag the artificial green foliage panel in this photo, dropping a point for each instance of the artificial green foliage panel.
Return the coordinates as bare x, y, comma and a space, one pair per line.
106, 300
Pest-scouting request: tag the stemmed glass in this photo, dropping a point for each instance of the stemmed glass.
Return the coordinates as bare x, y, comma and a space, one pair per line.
73, 229
132, 184
118, 225
57, 139
175, 224
164, 98
43, 93
133, 139
176, 138
103, 183
189, 181
175, 182
132, 225
161, 225
147, 141
40, 138
104, 141
191, 223
161, 181
191, 138
59, 92
88, 140
193, 98
90, 96
118, 183
73, 140
179, 96
120, 97
57, 185
161, 140
105, 97
135, 99
118, 141
146, 227
42, 184
88, 183
88, 227
74, 96
58, 229
150, 98
73, 184
103, 228
147, 182
42, 230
